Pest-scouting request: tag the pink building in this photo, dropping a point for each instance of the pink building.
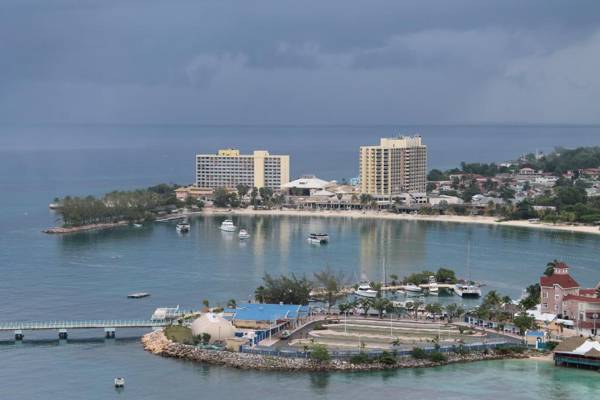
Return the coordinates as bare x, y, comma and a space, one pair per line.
554, 288
562, 295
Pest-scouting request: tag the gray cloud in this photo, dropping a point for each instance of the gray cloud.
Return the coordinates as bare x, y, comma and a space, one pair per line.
280, 61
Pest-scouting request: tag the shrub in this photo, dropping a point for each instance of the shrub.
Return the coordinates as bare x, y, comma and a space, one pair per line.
387, 358
360, 358
320, 353
319, 327
437, 356
179, 334
418, 353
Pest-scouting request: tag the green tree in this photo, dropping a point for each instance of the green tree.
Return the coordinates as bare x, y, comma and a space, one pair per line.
284, 289
445, 275
231, 303
382, 305
319, 353
332, 282
524, 322
221, 197
366, 305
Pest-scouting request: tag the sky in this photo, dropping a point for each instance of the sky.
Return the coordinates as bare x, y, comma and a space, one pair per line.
300, 62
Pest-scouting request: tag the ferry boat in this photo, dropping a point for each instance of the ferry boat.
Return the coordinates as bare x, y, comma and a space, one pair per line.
228, 226
365, 290
434, 289
467, 290
119, 382
243, 234
183, 227
318, 238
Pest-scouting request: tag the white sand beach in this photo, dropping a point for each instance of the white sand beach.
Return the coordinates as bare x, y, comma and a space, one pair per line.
407, 217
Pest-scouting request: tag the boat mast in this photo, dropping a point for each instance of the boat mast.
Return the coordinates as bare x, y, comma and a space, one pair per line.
469, 261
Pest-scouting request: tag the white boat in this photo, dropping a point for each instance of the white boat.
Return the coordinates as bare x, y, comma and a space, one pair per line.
243, 234
434, 289
228, 226
137, 225
138, 295
467, 290
183, 227
318, 238
365, 290
411, 288
119, 382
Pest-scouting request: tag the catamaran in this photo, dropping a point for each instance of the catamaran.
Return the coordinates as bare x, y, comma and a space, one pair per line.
469, 289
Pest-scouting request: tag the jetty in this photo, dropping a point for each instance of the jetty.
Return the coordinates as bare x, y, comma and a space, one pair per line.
346, 290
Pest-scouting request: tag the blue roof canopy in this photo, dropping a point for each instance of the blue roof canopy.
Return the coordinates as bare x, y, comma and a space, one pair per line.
268, 312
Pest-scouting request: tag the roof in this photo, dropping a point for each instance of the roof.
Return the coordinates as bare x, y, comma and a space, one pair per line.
569, 344
540, 316
588, 292
583, 299
565, 281
323, 192
307, 182
268, 312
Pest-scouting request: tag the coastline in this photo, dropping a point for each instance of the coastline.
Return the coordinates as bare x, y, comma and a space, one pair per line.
356, 214
158, 344
58, 230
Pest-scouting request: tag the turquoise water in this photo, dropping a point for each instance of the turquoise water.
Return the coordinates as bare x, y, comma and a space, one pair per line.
89, 275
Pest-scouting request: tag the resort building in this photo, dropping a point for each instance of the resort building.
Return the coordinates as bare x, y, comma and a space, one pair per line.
228, 168
563, 296
579, 352
395, 166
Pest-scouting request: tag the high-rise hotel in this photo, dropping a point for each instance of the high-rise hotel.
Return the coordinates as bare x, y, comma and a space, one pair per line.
397, 165
228, 168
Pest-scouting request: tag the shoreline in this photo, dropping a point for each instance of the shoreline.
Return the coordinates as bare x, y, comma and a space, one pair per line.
158, 344
59, 230
455, 219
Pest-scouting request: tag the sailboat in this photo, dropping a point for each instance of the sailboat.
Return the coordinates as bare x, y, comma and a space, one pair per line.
468, 290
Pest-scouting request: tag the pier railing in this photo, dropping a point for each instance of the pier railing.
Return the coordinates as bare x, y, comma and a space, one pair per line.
85, 324
400, 351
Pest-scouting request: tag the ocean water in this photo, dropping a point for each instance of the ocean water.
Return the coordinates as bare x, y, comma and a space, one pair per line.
88, 275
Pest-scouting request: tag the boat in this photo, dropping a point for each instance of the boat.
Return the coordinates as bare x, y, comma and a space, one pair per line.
434, 289
138, 295
228, 226
318, 238
183, 227
119, 382
137, 225
469, 289
243, 234
365, 290
411, 288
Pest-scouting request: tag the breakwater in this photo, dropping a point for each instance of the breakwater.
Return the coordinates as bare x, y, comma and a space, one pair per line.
157, 343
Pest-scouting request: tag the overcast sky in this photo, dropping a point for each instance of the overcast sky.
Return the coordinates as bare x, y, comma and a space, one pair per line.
300, 62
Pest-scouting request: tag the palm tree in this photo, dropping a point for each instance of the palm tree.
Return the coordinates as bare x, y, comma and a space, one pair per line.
416, 304
366, 305
205, 303
393, 278
381, 305
231, 303
550, 267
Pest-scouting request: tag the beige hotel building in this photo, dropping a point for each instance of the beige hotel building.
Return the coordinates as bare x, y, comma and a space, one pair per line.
228, 168
396, 166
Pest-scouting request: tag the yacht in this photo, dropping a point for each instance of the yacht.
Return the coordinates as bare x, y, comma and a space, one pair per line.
467, 290
434, 289
228, 226
183, 226
365, 290
318, 238
411, 288
243, 234
119, 382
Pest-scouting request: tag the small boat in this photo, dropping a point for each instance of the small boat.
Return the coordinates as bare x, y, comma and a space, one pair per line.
119, 382
365, 290
228, 226
318, 238
138, 295
183, 227
467, 290
137, 225
434, 289
243, 234
411, 288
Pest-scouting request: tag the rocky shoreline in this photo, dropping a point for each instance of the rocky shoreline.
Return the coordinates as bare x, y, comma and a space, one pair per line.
157, 343
83, 228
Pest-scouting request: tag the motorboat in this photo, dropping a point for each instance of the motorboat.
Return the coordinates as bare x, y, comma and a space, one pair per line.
138, 225
411, 288
228, 226
243, 234
467, 290
318, 238
138, 295
183, 227
365, 290
434, 289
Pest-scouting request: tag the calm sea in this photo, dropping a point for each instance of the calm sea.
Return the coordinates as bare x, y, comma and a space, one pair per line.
89, 275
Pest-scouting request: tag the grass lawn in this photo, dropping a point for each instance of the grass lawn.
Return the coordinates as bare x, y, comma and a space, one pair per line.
179, 334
